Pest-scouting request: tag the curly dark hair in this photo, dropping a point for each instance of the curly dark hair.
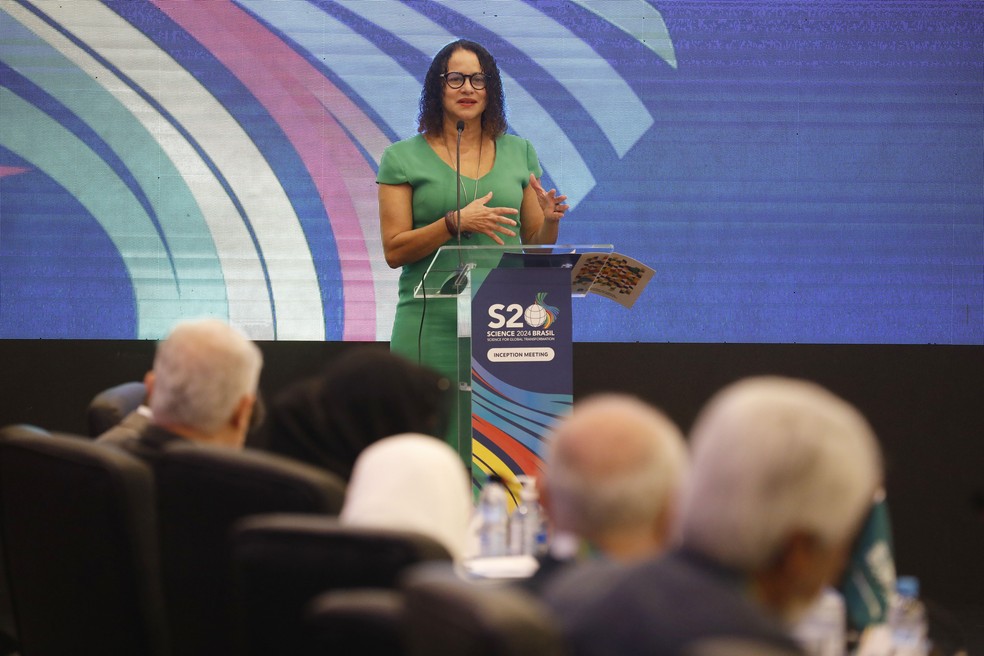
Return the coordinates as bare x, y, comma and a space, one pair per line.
431, 117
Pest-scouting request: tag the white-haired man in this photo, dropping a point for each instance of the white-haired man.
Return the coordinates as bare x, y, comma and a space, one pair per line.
782, 476
202, 387
610, 483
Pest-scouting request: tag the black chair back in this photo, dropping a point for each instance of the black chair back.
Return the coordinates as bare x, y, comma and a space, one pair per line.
202, 492
368, 622
79, 528
110, 406
448, 615
283, 561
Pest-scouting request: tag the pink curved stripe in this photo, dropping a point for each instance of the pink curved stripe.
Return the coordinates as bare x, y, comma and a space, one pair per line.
11, 170
284, 83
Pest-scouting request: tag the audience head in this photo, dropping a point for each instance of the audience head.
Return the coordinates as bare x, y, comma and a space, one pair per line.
203, 384
412, 483
612, 475
362, 396
783, 474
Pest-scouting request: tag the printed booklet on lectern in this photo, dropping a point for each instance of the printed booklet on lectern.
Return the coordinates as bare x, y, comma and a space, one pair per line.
611, 275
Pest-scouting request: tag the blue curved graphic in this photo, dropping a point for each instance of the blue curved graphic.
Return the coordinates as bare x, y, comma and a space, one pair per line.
62, 276
797, 172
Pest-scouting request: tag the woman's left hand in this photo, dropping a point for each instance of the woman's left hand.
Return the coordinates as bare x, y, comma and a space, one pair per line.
552, 205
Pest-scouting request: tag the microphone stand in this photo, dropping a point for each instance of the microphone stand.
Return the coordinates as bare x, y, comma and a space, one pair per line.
456, 283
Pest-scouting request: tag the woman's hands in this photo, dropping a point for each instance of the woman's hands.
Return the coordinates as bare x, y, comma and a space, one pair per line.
551, 204
477, 216
541, 212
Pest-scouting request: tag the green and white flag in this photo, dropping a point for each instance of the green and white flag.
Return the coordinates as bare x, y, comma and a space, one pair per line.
869, 579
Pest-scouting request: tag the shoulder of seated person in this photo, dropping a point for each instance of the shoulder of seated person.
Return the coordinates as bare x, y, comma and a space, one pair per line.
582, 581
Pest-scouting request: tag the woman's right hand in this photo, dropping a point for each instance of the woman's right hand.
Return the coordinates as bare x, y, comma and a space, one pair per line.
477, 216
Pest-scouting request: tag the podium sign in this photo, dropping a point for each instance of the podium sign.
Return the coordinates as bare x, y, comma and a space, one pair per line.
521, 366
514, 359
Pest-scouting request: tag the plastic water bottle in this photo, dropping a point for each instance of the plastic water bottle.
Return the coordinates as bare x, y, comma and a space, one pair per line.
907, 619
493, 513
524, 523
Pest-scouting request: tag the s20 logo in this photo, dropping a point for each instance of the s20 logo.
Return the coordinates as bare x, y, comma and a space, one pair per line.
537, 315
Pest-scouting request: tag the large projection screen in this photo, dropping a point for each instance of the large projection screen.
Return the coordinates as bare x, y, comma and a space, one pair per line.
795, 171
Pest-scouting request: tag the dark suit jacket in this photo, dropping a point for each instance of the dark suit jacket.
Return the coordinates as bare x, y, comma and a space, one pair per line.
131, 427
682, 603
149, 443
548, 567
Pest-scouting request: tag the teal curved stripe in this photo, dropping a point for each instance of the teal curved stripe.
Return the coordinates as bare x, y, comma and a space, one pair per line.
554, 405
67, 161
638, 19
531, 413
196, 262
529, 434
334, 43
348, 55
541, 409
588, 77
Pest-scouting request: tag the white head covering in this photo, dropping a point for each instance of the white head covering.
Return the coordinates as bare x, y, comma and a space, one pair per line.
411, 482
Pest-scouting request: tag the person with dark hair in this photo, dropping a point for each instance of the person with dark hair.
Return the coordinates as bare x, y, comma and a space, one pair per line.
501, 197
362, 396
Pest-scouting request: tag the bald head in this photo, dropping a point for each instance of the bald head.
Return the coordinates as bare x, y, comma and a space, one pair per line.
614, 466
773, 456
205, 371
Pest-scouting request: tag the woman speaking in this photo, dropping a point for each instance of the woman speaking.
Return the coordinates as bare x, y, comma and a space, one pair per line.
501, 197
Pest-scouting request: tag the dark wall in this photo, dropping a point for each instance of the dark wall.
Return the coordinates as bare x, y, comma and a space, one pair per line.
925, 402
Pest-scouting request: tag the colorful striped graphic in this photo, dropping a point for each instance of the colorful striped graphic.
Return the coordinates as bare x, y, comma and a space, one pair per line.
228, 149
164, 159
511, 426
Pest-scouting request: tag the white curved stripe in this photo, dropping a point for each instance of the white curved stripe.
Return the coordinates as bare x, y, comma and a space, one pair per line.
587, 76
567, 168
385, 279
569, 171
295, 19
393, 93
296, 293
369, 71
247, 298
292, 18
640, 20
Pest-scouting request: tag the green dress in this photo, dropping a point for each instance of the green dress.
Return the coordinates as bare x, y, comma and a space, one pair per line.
413, 161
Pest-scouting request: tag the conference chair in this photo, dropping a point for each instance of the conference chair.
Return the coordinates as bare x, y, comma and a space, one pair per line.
283, 561
79, 534
110, 406
368, 622
8, 628
202, 492
448, 615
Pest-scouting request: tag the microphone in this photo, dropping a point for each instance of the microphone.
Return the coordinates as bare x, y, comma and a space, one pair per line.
456, 283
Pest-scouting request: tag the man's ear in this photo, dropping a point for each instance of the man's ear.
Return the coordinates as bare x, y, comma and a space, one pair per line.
794, 558
797, 555
244, 410
665, 523
797, 573
148, 386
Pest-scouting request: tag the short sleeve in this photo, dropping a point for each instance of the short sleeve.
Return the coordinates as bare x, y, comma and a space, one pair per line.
532, 162
391, 168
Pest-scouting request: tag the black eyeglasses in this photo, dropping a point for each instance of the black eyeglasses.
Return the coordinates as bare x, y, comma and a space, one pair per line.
456, 80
